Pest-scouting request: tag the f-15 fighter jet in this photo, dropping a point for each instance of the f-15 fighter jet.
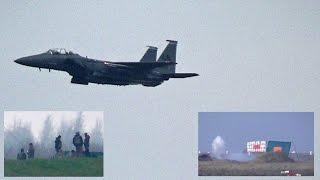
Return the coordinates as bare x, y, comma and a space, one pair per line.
148, 72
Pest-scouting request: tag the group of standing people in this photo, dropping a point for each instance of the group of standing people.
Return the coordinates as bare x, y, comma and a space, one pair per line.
77, 141
30, 153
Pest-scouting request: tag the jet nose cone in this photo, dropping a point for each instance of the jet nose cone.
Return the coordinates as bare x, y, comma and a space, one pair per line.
32, 61
27, 61
19, 61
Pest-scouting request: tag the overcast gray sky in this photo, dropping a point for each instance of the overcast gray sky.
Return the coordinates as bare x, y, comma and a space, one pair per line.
251, 56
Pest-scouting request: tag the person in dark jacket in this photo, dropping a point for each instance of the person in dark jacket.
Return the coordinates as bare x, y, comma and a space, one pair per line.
21, 155
30, 151
58, 144
78, 143
86, 144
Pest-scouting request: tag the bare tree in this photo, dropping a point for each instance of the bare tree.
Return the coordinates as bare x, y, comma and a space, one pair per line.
46, 139
78, 126
96, 140
66, 131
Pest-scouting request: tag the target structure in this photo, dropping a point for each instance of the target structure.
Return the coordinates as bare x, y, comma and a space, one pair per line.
256, 146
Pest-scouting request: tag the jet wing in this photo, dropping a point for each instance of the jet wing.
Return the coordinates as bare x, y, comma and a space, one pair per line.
144, 65
75, 68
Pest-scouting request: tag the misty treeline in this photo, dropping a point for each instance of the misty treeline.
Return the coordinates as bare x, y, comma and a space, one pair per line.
20, 135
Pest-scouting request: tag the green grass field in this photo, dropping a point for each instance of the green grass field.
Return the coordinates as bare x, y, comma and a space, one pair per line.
55, 167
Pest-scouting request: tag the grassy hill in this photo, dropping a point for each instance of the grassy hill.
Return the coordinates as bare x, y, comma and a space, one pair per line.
55, 167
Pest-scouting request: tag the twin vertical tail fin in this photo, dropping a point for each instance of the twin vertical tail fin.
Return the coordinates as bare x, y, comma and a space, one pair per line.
169, 55
150, 55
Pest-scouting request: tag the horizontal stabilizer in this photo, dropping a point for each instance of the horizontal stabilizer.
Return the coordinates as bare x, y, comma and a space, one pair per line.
180, 75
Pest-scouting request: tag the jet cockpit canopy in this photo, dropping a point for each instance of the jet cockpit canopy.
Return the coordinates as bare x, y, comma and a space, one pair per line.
61, 51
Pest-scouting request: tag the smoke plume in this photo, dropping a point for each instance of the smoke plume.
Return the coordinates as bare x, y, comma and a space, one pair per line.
218, 148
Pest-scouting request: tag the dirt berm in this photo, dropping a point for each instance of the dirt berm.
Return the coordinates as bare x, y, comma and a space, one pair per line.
273, 157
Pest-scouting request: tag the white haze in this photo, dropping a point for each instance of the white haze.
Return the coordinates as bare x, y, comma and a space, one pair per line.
19, 134
240, 156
